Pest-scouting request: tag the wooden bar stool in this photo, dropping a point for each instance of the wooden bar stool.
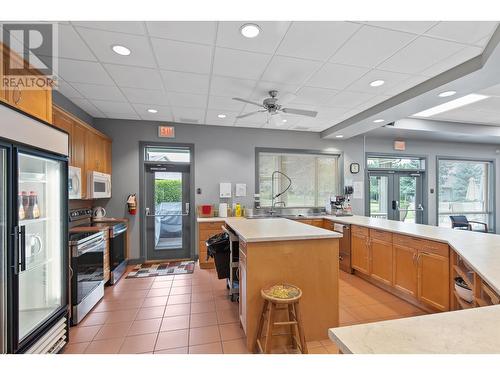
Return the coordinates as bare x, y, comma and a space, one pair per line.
281, 297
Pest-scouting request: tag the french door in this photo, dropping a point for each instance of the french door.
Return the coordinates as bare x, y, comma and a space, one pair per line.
396, 195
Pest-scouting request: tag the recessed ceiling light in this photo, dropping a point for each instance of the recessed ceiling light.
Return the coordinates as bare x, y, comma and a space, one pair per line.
151, 110
339, 136
250, 30
377, 83
284, 120
452, 104
378, 120
447, 93
121, 50
222, 115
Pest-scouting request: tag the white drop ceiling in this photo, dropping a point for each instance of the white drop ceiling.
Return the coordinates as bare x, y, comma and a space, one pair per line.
189, 71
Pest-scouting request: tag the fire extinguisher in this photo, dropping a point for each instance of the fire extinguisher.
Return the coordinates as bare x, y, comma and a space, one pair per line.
132, 204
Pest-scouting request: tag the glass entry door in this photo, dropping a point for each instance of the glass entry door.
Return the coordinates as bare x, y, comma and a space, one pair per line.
40, 244
167, 212
396, 196
3, 250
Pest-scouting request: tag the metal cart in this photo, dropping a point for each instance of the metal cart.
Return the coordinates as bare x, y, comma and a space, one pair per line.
232, 284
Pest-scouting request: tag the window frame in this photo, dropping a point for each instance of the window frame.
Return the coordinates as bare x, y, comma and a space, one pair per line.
491, 211
334, 153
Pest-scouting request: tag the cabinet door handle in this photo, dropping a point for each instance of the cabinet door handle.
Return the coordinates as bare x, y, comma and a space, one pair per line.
18, 99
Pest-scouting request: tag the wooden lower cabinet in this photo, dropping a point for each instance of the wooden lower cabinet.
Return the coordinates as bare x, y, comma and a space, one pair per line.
360, 253
433, 280
381, 260
205, 231
405, 273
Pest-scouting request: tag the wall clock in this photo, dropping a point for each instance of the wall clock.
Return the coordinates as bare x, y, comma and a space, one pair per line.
354, 168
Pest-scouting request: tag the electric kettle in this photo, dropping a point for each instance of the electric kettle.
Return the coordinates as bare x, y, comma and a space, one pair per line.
99, 213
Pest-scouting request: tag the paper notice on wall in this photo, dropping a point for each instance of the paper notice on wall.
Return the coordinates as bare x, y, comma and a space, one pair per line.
358, 190
225, 190
241, 190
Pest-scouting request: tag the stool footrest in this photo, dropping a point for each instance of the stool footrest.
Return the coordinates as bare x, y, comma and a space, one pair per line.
293, 322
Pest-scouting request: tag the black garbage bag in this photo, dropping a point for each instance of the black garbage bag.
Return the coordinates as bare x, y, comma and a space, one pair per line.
218, 249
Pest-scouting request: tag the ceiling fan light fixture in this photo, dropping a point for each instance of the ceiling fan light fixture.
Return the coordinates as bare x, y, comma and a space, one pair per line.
121, 50
285, 120
250, 30
377, 83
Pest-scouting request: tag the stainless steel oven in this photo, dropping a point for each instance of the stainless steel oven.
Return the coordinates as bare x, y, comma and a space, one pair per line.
87, 281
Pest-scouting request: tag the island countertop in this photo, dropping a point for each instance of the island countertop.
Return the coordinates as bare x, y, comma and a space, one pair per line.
276, 229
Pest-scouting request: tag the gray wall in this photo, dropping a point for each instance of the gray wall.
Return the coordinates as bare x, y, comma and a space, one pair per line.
227, 154
66, 104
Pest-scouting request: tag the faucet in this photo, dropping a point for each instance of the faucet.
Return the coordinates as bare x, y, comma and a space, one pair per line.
274, 196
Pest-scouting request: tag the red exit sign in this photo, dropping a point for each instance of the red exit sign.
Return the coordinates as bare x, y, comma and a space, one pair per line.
166, 131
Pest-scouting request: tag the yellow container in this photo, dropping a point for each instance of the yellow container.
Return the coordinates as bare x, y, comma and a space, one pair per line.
237, 211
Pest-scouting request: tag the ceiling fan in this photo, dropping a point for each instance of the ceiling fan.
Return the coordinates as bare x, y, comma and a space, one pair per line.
273, 108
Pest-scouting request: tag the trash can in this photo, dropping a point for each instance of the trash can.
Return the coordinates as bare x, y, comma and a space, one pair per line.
218, 249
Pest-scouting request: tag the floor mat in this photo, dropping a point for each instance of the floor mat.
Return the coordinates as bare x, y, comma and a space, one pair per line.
161, 269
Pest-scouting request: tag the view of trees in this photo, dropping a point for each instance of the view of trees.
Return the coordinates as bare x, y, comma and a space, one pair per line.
168, 191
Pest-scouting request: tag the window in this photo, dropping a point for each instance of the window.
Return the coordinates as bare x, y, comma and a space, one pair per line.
388, 162
167, 154
465, 188
315, 178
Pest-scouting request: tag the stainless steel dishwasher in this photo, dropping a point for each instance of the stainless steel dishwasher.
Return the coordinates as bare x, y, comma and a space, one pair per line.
344, 246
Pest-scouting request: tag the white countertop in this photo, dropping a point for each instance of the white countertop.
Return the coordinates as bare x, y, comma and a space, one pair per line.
276, 229
466, 331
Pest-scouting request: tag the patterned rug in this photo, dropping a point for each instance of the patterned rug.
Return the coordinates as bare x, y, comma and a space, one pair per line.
161, 269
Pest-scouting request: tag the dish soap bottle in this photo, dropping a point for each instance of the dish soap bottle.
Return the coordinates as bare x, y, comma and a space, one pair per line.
237, 210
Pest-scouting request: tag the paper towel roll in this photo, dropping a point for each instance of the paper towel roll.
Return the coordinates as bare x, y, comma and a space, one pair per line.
222, 209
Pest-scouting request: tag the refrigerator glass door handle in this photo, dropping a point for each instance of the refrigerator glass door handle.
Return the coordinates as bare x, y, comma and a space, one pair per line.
15, 266
22, 247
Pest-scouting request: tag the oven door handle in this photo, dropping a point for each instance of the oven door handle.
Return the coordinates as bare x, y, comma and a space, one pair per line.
120, 231
91, 248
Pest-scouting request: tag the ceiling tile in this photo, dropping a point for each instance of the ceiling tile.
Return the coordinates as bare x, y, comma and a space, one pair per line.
370, 46
135, 77
164, 113
185, 82
179, 99
415, 27
229, 35
407, 84
188, 115
239, 64
213, 119
114, 107
491, 91
462, 31
244, 124
456, 59
231, 87
84, 71
262, 89
101, 43
336, 76
67, 90
186, 31
420, 55
276, 126
257, 118
349, 99
142, 96
369, 103
122, 116
128, 27
71, 46
99, 92
331, 113
224, 104
290, 70
88, 107
313, 95
315, 40
391, 80
182, 57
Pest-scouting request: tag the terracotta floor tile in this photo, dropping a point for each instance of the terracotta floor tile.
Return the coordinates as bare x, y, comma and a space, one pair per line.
109, 346
317, 350
178, 299
332, 349
112, 331
162, 285
228, 316
155, 301
158, 292
362, 312
183, 276
202, 296
141, 327
173, 351
172, 339
184, 282
120, 316
150, 313
77, 348
204, 335
180, 290
173, 310
231, 331
313, 344
83, 334
159, 279
224, 303
345, 316
212, 348
139, 344
129, 294
235, 347
201, 307
203, 319
94, 319
126, 304
202, 288
173, 323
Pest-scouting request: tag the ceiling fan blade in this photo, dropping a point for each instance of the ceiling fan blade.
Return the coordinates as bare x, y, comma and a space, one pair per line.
249, 114
286, 98
248, 101
301, 112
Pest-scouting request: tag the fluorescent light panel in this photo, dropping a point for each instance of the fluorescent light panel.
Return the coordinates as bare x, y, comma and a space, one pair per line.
453, 104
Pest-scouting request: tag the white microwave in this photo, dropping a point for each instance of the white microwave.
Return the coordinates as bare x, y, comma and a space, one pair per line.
98, 185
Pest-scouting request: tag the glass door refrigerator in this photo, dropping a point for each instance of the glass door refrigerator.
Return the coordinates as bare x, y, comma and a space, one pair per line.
33, 235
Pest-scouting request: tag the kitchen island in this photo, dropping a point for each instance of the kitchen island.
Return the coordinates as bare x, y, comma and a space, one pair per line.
278, 250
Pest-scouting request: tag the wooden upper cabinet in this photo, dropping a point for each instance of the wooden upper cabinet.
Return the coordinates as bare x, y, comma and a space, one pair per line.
360, 251
107, 156
64, 122
381, 260
405, 269
433, 280
92, 145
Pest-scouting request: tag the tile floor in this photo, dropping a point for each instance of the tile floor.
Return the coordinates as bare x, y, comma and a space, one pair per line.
192, 314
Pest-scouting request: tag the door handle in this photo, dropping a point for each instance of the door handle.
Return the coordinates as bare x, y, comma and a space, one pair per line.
172, 213
22, 247
395, 205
